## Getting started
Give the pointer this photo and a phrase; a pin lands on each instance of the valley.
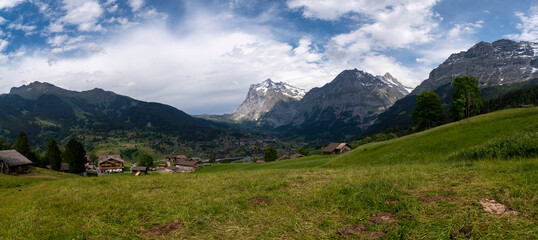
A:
(417, 182)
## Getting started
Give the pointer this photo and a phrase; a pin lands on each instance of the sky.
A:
(201, 56)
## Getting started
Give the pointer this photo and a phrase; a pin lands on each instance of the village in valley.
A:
(13, 162)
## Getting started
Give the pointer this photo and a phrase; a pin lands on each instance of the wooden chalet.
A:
(336, 148)
(284, 157)
(139, 170)
(188, 165)
(12, 162)
(260, 161)
(110, 164)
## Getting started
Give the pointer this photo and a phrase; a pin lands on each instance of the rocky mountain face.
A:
(498, 63)
(263, 96)
(44, 110)
(348, 104)
(501, 66)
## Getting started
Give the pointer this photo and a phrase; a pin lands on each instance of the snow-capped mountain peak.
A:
(263, 96)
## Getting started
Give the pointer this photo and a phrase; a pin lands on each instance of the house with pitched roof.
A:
(12, 162)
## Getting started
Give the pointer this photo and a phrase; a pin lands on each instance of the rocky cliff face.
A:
(498, 63)
(263, 96)
(353, 99)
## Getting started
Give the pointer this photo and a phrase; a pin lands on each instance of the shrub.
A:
(522, 144)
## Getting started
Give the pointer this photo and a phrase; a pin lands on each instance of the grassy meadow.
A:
(430, 184)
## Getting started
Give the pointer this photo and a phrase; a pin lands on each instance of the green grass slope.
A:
(422, 180)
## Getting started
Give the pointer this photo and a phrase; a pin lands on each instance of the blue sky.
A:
(201, 56)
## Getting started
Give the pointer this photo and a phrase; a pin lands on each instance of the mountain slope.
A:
(498, 63)
(44, 110)
(262, 97)
(499, 67)
(346, 105)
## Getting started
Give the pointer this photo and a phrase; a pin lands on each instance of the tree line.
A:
(74, 153)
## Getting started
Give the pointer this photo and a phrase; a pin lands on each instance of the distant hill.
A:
(44, 110)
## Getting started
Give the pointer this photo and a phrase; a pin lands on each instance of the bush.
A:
(523, 144)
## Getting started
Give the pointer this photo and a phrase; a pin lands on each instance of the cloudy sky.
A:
(201, 55)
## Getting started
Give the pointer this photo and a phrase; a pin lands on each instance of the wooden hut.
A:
(188, 165)
(139, 170)
(12, 162)
(110, 164)
(336, 148)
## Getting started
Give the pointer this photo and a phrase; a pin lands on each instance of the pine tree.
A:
(466, 100)
(75, 155)
(53, 155)
(429, 111)
(21, 145)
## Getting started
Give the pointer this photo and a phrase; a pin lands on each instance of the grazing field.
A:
(429, 185)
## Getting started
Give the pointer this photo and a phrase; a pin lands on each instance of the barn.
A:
(12, 162)
(336, 148)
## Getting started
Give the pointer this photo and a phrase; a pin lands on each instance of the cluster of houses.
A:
(12, 162)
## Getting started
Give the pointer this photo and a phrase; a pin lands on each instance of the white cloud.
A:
(3, 44)
(83, 13)
(2, 20)
(528, 25)
(28, 29)
(136, 4)
(9, 3)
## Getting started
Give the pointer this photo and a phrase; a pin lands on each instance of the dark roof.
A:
(64, 167)
(103, 158)
(189, 163)
(333, 146)
(13, 158)
(297, 155)
(139, 168)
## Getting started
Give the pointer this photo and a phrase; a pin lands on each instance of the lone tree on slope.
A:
(429, 112)
(466, 100)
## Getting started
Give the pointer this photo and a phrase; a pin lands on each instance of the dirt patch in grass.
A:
(163, 230)
(464, 231)
(494, 207)
(360, 230)
(432, 199)
(382, 217)
(257, 201)
(353, 230)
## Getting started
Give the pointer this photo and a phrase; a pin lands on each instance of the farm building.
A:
(12, 162)
(188, 165)
(110, 164)
(139, 170)
(260, 161)
(63, 168)
(296, 155)
(171, 169)
(176, 158)
(336, 148)
(284, 157)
